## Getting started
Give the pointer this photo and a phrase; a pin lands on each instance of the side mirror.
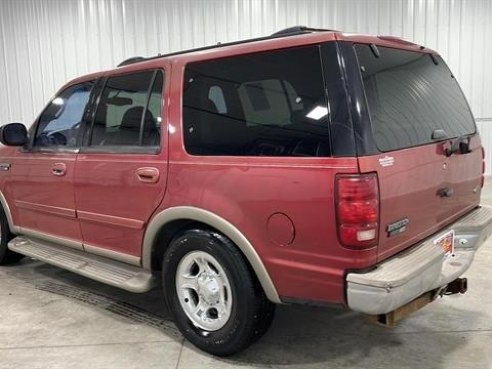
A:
(13, 134)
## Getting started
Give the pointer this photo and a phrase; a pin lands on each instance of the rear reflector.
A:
(357, 205)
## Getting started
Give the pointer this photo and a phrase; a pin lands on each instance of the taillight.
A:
(483, 167)
(357, 206)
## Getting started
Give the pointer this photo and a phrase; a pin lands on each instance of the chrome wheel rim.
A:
(204, 291)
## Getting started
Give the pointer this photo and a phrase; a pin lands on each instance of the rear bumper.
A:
(422, 268)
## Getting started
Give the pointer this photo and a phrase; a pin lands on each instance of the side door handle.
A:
(59, 169)
(5, 166)
(148, 174)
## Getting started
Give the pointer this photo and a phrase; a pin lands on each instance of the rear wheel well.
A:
(176, 227)
(163, 239)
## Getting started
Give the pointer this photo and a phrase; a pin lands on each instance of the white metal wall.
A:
(44, 43)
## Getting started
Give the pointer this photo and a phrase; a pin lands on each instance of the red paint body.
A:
(38, 199)
(114, 206)
(409, 188)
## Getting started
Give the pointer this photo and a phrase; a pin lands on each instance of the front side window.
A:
(129, 111)
(59, 124)
(265, 104)
(410, 96)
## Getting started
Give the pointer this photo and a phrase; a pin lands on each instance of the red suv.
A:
(310, 166)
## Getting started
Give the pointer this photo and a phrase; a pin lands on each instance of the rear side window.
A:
(59, 124)
(409, 97)
(129, 111)
(266, 104)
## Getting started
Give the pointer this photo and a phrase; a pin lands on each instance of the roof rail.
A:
(298, 30)
(132, 60)
(291, 31)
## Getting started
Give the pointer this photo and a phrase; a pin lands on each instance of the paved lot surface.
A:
(50, 318)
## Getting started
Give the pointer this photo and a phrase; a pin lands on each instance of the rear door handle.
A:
(59, 169)
(148, 174)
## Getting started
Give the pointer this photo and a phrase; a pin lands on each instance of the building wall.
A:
(45, 43)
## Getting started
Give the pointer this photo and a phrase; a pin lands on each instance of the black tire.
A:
(251, 311)
(6, 256)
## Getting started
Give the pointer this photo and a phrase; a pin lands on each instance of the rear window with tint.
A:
(265, 104)
(409, 97)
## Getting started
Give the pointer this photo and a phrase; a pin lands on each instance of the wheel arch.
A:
(176, 218)
(8, 214)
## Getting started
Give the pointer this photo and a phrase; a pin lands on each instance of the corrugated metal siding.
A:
(44, 43)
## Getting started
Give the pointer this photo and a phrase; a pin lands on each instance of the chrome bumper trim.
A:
(422, 268)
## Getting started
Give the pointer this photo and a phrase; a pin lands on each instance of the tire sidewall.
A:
(231, 333)
(5, 233)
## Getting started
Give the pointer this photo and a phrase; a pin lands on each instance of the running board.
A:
(114, 273)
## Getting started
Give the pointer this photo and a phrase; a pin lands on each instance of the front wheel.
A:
(216, 302)
(6, 256)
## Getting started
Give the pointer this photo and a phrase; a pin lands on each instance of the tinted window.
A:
(129, 111)
(60, 122)
(267, 104)
(409, 97)
(216, 95)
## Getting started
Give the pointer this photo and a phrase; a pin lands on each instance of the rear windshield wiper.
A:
(439, 134)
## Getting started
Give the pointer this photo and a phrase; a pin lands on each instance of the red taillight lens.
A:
(357, 204)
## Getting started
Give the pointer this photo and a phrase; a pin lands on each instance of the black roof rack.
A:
(298, 30)
(132, 60)
(291, 31)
